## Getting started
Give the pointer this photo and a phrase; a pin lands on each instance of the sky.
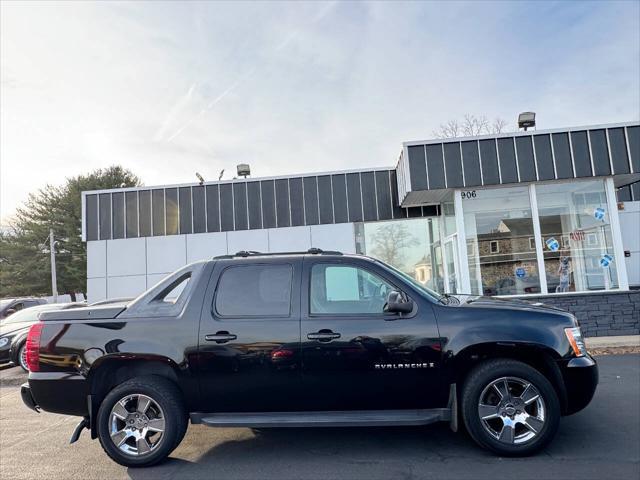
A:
(169, 89)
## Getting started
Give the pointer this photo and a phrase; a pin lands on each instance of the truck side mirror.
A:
(398, 302)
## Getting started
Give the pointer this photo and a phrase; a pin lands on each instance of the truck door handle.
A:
(323, 336)
(220, 337)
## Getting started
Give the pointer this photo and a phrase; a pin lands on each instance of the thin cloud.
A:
(175, 110)
(288, 39)
(212, 104)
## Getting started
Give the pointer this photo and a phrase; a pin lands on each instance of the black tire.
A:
(168, 397)
(182, 430)
(480, 378)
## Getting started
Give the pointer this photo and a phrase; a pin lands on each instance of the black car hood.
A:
(506, 303)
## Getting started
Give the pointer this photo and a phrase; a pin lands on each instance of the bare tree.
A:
(499, 125)
(390, 240)
(470, 126)
(451, 129)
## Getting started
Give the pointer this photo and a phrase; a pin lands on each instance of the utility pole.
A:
(54, 281)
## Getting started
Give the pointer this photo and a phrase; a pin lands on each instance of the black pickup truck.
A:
(306, 339)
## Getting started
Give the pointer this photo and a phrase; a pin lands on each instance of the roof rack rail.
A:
(253, 253)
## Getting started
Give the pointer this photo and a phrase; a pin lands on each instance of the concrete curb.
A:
(613, 341)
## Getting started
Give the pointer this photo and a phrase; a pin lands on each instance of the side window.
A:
(174, 290)
(254, 291)
(342, 289)
(18, 306)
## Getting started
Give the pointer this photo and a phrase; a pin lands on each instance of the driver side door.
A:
(354, 355)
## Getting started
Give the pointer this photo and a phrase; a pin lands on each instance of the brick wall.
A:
(601, 313)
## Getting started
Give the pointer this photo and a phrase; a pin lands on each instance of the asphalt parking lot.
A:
(602, 441)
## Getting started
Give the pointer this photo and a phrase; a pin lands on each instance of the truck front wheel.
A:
(509, 407)
(141, 421)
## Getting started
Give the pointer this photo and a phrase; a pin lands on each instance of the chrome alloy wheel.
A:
(22, 358)
(512, 410)
(136, 425)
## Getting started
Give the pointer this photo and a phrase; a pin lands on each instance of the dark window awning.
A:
(251, 204)
(429, 170)
(426, 173)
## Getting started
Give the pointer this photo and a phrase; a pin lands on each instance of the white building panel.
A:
(290, 239)
(97, 259)
(257, 240)
(339, 236)
(630, 228)
(204, 246)
(126, 286)
(96, 289)
(166, 254)
(155, 278)
(126, 257)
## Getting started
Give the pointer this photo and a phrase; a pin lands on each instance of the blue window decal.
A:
(606, 260)
(552, 244)
(599, 213)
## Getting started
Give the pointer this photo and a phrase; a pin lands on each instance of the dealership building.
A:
(550, 216)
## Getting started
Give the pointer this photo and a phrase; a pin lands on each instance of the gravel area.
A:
(613, 350)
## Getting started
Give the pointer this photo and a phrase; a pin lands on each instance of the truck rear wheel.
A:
(141, 421)
(510, 407)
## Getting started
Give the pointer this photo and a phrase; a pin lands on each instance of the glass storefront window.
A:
(576, 236)
(451, 270)
(501, 246)
(448, 217)
(412, 246)
(499, 228)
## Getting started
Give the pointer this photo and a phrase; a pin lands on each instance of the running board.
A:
(355, 418)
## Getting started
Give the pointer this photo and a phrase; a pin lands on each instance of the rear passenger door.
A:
(249, 340)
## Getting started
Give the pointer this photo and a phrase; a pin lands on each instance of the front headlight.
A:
(3, 342)
(574, 335)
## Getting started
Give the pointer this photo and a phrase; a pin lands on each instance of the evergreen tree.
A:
(25, 267)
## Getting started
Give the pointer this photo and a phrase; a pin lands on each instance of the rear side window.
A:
(174, 290)
(254, 291)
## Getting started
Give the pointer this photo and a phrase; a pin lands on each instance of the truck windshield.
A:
(432, 294)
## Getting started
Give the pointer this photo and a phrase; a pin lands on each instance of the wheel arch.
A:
(540, 357)
(111, 371)
(17, 342)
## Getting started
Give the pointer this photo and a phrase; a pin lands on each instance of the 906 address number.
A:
(468, 194)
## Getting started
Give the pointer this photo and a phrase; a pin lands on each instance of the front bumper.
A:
(27, 398)
(5, 354)
(580, 376)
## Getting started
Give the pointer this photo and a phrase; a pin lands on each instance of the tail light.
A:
(33, 347)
